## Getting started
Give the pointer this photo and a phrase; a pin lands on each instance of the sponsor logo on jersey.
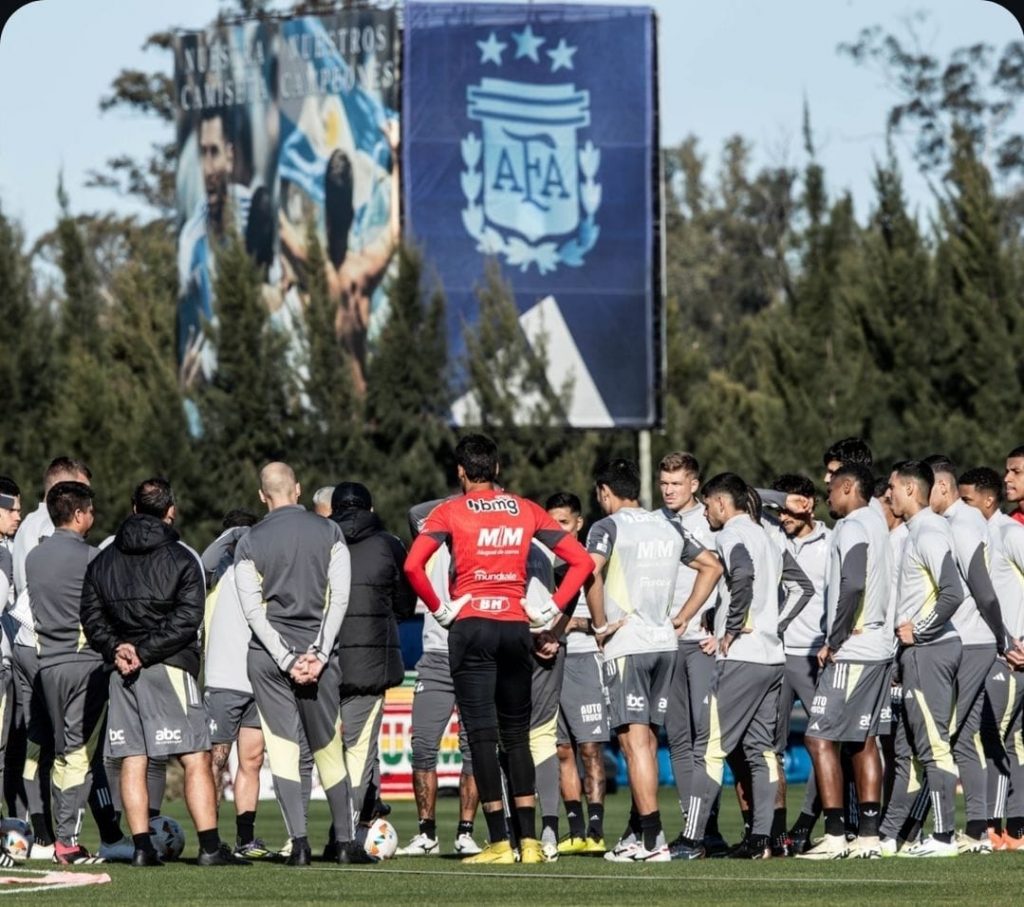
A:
(482, 576)
(654, 550)
(116, 737)
(635, 703)
(662, 704)
(491, 605)
(500, 504)
(500, 537)
(168, 735)
(865, 722)
(590, 712)
(818, 705)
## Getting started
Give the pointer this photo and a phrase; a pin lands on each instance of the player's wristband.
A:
(597, 631)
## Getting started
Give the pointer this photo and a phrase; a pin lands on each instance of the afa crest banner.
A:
(530, 139)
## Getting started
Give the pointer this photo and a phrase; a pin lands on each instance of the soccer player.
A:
(801, 626)
(979, 624)
(742, 708)
(73, 678)
(32, 720)
(433, 700)
(636, 555)
(679, 480)
(848, 450)
(369, 649)
(489, 533)
(1013, 481)
(982, 488)
(582, 716)
(929, 592)
(856, 658)
(10, 519)
(227, 692)
(292, 576)
(142, 608)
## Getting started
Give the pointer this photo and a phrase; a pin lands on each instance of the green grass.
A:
(572, 880)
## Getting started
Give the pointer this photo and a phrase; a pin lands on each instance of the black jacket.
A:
(148, 590)
(371, 657)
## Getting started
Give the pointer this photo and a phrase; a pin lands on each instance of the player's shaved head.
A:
(278, 485)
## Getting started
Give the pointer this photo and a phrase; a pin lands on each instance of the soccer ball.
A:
(16, 838)
(381, 840)
(167, 836)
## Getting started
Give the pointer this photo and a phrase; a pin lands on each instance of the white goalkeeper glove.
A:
(539, 606)
(447, 612)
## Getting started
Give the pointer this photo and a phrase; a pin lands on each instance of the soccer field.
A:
(572, 880)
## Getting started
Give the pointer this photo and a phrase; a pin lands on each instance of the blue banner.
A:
(529, 138)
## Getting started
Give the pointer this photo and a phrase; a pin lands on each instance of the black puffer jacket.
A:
(148, 590)
(371, 658)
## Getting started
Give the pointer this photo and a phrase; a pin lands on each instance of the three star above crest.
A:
(527, 45)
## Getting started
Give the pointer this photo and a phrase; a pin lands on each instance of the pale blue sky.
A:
(728, 66)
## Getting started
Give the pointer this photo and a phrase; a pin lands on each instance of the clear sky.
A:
(728, 66)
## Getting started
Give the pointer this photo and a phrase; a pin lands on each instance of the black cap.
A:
(351, 496)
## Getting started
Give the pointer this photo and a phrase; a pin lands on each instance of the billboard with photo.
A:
(530, 140)
(286, 125)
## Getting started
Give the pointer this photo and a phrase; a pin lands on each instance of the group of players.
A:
(899, 631)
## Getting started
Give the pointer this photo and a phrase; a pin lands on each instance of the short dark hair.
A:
(731, 485)
(863, 479)
(64, 498)
(351, 496)
(984, 479)
(239, 517)
(918, 470)
(680, 460)
(564, 499)
(65, 466)
(621, 477)
(941, 463)
(478, 457)
(9, 487)
(226, 121)
(849, 450)
(881, 487)
(1016, 452)
(153, 497)
(791, 483)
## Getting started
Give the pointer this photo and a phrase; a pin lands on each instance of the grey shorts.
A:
(157, 713)
(799, 681)
(638, 688)
(582, 712)
(432, 703)
(228, 711)
(546, 689)
(849, 701)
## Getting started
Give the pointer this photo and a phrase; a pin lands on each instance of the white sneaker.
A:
(119, 852)
(465, 846)
(41, 852)
(888, 847)
(930, 847)
(830, 847)
(865, 849)
(623, 852)
(658, 855)
(549, 850)
(420, 846)
(966, 844)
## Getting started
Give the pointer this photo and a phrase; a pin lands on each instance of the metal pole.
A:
(646, 467)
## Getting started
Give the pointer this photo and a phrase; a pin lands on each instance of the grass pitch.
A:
(579, 880)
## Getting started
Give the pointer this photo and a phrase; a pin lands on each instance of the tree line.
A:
(789, 323)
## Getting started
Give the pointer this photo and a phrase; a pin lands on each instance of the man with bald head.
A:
(292, 575)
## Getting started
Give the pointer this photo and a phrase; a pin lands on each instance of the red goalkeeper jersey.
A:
(489, 534)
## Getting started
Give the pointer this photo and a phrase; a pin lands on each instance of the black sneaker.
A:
(782, 846)
(146, 858)
(222, 856)
(381, 810)
(301, 855)
(350, 852)
(715, 847)
(751, 848)
(331, 851)
(683, 849)
(799, 841)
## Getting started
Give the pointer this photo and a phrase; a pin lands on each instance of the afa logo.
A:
(530, 187)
